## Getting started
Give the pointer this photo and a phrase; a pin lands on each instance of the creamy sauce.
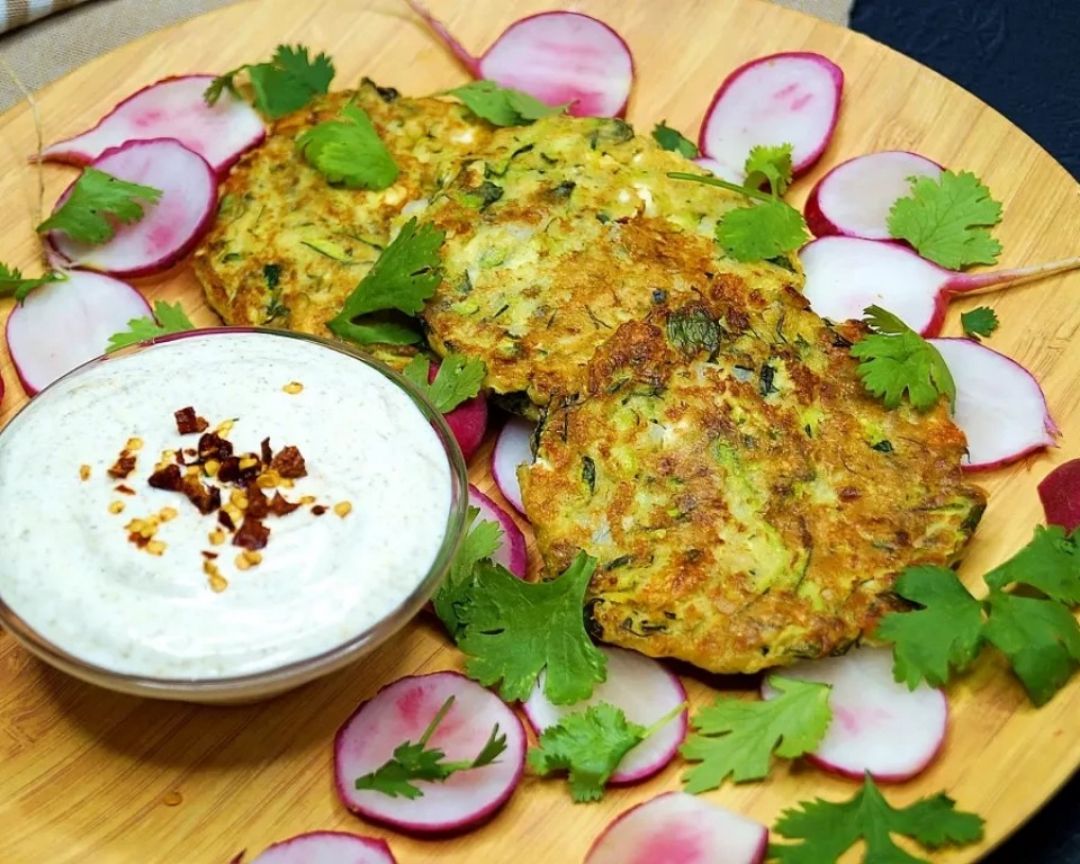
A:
(72, 575)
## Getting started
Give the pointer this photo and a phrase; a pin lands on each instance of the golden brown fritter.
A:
(749, 503)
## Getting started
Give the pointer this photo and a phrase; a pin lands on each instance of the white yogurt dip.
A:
(71, 573)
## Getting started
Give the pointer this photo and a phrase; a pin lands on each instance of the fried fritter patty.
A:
(287, 248)
(749, 503)
(560, 231)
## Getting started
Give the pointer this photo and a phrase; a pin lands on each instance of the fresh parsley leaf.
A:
(285, 84)
(503, 106)
(458, 379)
(828, 829)
(946, 220)
(673, 139)
(981, 321)
(896, 359)
(944, 635)
(348, 151)
(1050, 563)
(14, 284)
(482, 539)
(762, 231)
(171, 318)
(94, 202)
(414, 761)
(515, 629)
(737, 738)
(1040, 637)
(772, 165)
(403, 277)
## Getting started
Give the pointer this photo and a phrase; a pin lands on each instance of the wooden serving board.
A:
(89, 776)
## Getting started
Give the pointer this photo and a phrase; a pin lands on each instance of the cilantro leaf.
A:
(503, 106)
(14, 284)
(762, 231)
(946, 220)
(515, 629)
(458, 379)
(403, 277)
(170, 318)
(285, 84)
(737, 738)
(828, 829)
(770, 165)
(673, 139)
(1050, 562)
(981, 321)
(95, 197)
(348, 151)
(414, 761)
(896, 359)
(1040, 637)
(482, 539)
(945, 634)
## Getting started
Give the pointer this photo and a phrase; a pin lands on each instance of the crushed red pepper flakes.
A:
(209, 556)
(318, 509)
(258, 505)
(188, 422)
(206, 499)
(124, 465)
(226, 520)
(252, 535)
(289, 463)
(266, 452)
(213, 446)
(167, 478)
(124, 489)
(279, 506)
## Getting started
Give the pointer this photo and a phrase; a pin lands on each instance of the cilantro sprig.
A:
(771, 166)
(482, 539)
(459, 378)
(14, 284)
(168, 318)
(284, 84)
(673, 139)
(503, 106)
(826, 830)
(981, 321)
(348, 151)
(415, 761)
(96, 202)
(737, 738)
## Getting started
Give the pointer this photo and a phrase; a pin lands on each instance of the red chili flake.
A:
(191, 452)
(213, 446)
(267, 453)
(124, 465)
(226, 520)
(253, 469)
(125, 490)
(252, 534)
(289, 463)
(279, 506)
(209, 556)
(137, 538)
(229, 472)
(206, 499)
(166, 478)
(318, 509)
(180, 458)
(258, 503)
(188, 423)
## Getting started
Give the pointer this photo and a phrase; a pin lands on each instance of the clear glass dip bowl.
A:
(263, 684)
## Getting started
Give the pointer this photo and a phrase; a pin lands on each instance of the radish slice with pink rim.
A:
(170, 108)
(468, 421)
(326, 847)
(401, 712)
(512, 553)
(645, 691)
(1059, 492)
(855, 197)
(879, 726)
(679, 828)
(513, 448)
(844, 275)
(791, 98)
(999, 405)
(62, 325)
(558, 57)
(169, 229)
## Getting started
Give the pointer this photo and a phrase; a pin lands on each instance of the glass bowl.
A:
(263, 684)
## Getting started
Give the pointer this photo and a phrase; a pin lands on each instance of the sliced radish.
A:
(401, 712)
(791, 98)
(558, 57)
(327, 847)
(999, 405)
(512, 554)
(855, 197)
(169, 229)
(63, 324)
(468, 421)
(645, 691)
(844, 275)
(879, 725)
(171, 108)
(513, 448)
(678, 828)
(1059, 492)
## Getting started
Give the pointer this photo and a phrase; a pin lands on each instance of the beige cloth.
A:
(80, 31)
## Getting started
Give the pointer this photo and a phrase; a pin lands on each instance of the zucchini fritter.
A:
(749, 503)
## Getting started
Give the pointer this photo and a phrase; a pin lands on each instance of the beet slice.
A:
(512, 553)
(326, 847)
(1059, 492)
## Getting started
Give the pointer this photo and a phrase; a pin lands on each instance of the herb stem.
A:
(663, 721)
(436, 720)
(723, 184)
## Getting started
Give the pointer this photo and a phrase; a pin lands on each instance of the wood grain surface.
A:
(89, 776)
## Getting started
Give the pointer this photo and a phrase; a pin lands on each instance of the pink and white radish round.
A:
(645, 690)
(170, 108)
(64, 324)
(879, 726)
(512, 553)
(557, 57)
(1059, 493)
(513, 448)
(1000, 407)
(168, 230)
(402, 711)
(782, 98)
(326, 847)
(679, 828)
(468, 421)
